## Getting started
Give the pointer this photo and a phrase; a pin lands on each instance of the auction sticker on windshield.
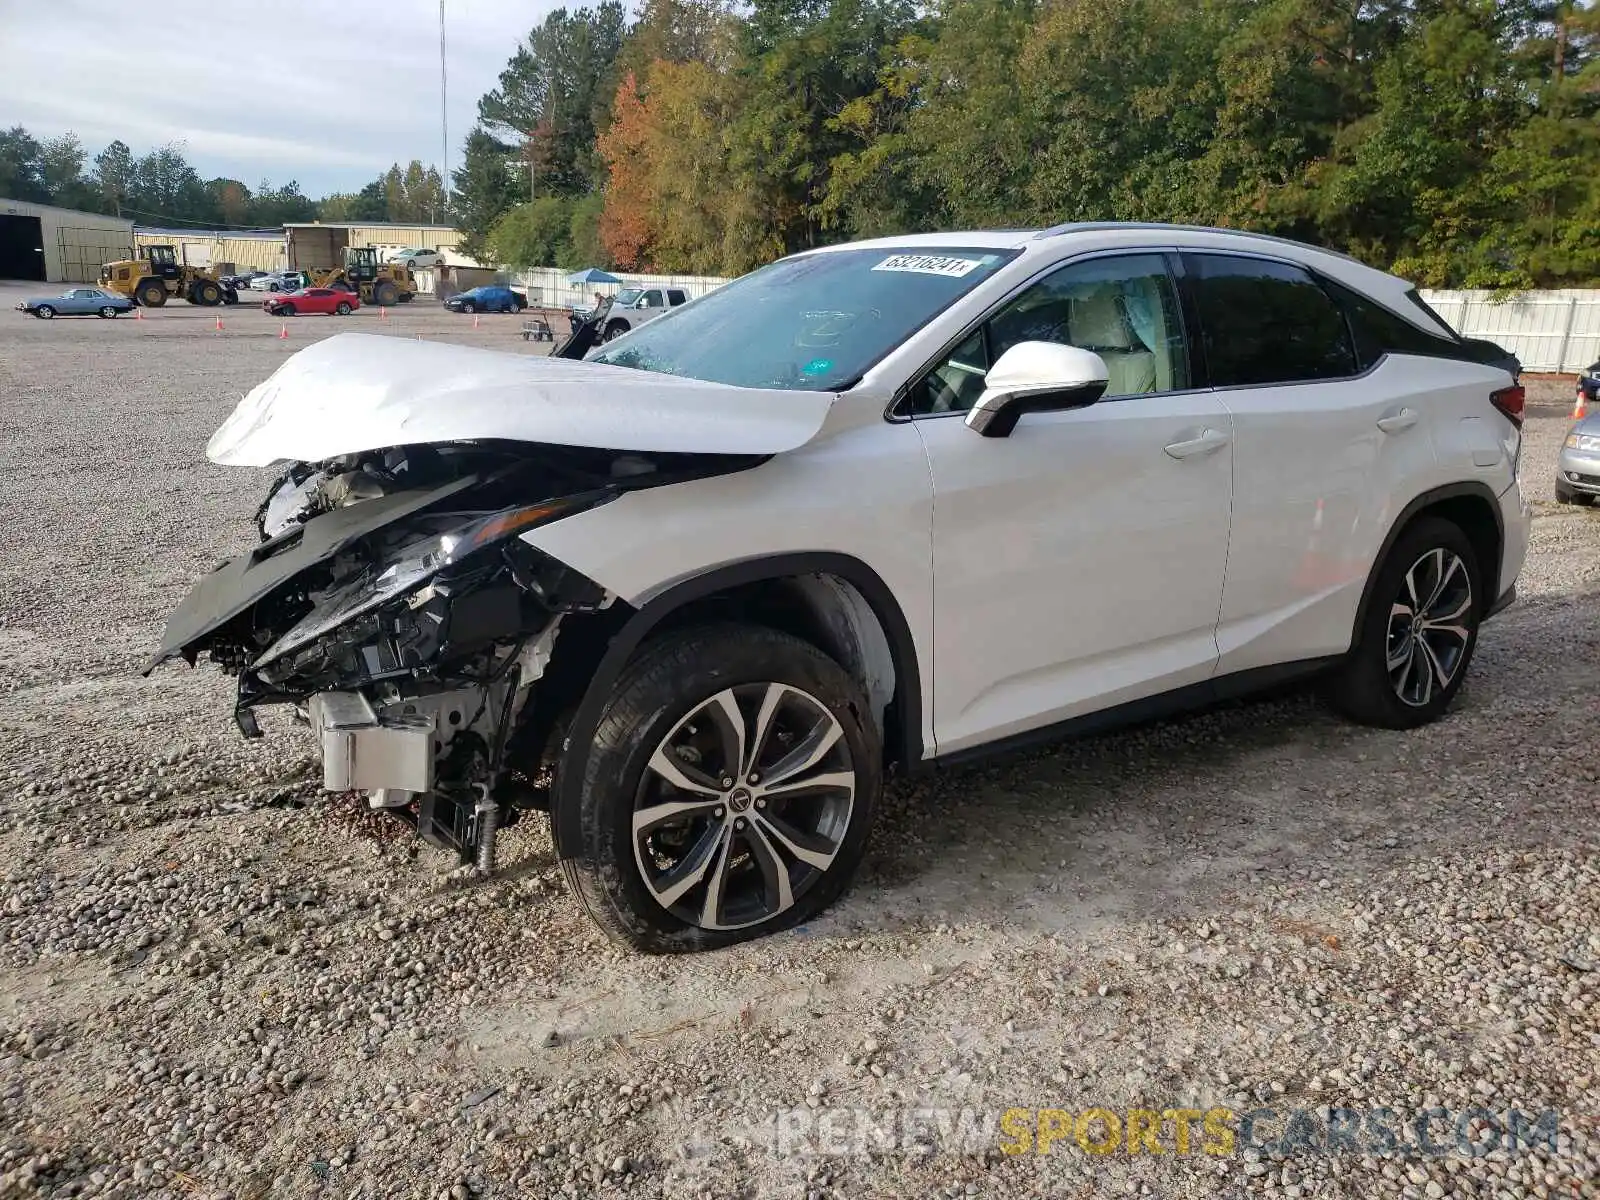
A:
(929, 264)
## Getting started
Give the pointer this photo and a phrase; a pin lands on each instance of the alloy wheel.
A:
(743, 806)
(1429, 627)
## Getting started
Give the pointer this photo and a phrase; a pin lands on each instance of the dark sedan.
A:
(487, 299)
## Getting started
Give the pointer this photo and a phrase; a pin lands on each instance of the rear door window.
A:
(676, 297)
(1264, 321)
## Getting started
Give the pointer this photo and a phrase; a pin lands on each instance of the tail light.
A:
(1510, 401)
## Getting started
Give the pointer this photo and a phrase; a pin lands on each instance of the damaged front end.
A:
(392, 602)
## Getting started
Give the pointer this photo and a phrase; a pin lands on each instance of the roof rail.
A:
(1095, 226)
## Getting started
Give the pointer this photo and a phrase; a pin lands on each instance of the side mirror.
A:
(1036, 377)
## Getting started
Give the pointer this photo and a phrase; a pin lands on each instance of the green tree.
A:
(113, 176)
(414, 194)
(583, 232)
(804, 63)
(22, 167)
(230, 199)
(61, 165)
(281, 205)
(163, 186)
(537, 234)
(549, 92)
(487, 183)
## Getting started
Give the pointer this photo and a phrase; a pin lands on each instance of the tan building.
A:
(58, 245)
(315, 246)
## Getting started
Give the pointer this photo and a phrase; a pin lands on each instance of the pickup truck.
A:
(633, 307)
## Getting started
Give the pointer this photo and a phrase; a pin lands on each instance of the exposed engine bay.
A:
(434, 654)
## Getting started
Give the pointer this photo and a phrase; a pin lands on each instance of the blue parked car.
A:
(487, 299)
(78, 302)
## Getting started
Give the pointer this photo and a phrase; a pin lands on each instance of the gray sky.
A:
(329, 93)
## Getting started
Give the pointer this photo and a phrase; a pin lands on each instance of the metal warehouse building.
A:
(314, 246)
(58, 245)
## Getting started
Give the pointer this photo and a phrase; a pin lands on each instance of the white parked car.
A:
(891, 503)
(279, 281)
(417, 258)
(633, 307)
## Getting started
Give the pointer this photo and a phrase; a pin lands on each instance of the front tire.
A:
(44, 312)
(1416, 641)
(728, 792)
(613, 331)
(284, 310)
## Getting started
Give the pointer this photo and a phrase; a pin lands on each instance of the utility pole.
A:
(444, 114)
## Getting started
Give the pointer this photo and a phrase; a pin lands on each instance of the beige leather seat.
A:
(1097, 323)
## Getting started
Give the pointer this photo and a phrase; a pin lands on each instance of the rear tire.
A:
(1403, 672)
(720, 705)
(107, 312)
(342, 309)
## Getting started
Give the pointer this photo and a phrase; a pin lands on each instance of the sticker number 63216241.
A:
(929, 264)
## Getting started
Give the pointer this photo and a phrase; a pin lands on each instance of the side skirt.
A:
(1150, 708)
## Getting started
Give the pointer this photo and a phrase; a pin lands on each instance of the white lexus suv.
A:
(877, 505)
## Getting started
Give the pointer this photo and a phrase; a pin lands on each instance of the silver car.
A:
(1578, 469)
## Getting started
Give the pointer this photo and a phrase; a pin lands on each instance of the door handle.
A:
(1209, 441)
(1404, 419)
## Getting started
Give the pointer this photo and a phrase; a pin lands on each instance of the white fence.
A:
(547, 287)
(1548, 331)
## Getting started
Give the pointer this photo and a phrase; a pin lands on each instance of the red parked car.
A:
(332, 301)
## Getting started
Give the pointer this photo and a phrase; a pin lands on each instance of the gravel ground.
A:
(215, 983)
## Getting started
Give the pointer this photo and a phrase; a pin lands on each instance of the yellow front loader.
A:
(376, 283)
(156, 275)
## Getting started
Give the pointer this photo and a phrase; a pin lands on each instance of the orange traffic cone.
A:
(283, 331)
(1581, 409)
(219, 324)
(474, 320)
(138, 313)
(383, 313)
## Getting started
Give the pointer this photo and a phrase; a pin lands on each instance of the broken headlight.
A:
(413, 565)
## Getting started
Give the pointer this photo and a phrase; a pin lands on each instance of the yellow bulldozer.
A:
(361, 272)
(156, 275)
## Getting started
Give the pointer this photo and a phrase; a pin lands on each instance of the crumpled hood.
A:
(357, 391)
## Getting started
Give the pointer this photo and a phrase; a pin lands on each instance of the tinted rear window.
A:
(1378, 331)
(1267, 322)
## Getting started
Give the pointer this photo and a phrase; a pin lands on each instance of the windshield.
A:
(627, 296)
(809, 323)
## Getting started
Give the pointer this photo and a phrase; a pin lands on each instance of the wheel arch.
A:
(834, 601)
(1474, 509)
